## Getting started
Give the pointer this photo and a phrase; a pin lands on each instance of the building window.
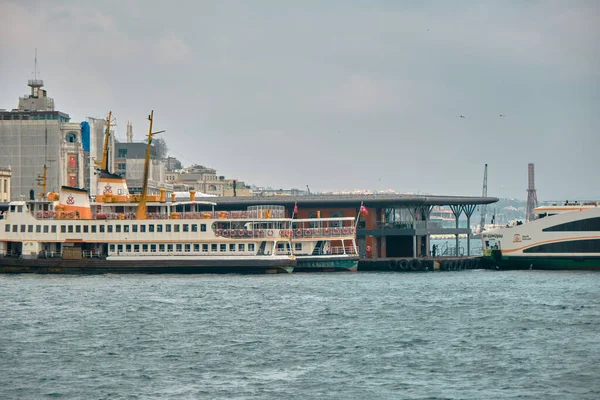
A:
(122, 153)
(71, 137)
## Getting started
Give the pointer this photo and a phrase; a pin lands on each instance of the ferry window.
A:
(176, 228)
(86, 229)
(63, 229)
(204, 247)
(179, 246)
(118, 228)
(202, 227)
(78, 228)
(572, 246)
(297, 246)
(134, 228)
(152, 248)
(145, 248)
(30, 228)
(93, 228)
(196, 247)
(126, 228)
(110, 228)
(112, 248)
(70, 228)
(336, 224)
(7, 228)
(159, 228)
(223, 247)
(169, 247)
(161, 247)
(582, 225)
(250, 246)
(120, 248)
(188, 247)
(142, 228)
(19, 208)
(53, 228)
(231, 246)
(136, 248)
(151, 228)
(213, 247)
(128, 248)
(102, 228)
(38, 229)
(15, 228)
(186, 228)
(23, 228)
(168, 228)
(241, 247)
(194, 227)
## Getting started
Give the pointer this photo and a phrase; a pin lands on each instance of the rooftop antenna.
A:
(307, 188)
(35, 84)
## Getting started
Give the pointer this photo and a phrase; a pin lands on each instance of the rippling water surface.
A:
(471, 334)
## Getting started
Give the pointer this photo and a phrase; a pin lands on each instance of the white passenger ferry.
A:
(562, 236)
(67, 236)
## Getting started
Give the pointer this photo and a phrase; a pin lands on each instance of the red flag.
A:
(295, 208)
(363, 210)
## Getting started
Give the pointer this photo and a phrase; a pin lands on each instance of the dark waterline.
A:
(470, 334)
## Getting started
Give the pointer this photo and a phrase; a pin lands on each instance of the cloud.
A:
(172, 49)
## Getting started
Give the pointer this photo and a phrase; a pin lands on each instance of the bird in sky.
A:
(502, 115)
(462, 116)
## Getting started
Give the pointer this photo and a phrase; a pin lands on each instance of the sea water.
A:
(456, 335)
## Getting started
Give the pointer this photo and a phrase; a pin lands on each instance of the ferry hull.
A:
(102, 266)
(544, 263)
(320, 264)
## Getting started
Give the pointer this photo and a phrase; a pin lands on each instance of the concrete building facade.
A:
(5, 175)
(35, 135)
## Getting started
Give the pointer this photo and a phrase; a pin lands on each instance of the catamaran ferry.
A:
(562, 236)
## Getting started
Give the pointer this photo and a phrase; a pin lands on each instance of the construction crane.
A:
(483, 207)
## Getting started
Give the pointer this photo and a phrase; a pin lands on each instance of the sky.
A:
(336, 95)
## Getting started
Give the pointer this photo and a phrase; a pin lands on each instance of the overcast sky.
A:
(333, 94)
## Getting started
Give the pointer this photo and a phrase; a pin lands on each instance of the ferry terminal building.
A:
(397, 225)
